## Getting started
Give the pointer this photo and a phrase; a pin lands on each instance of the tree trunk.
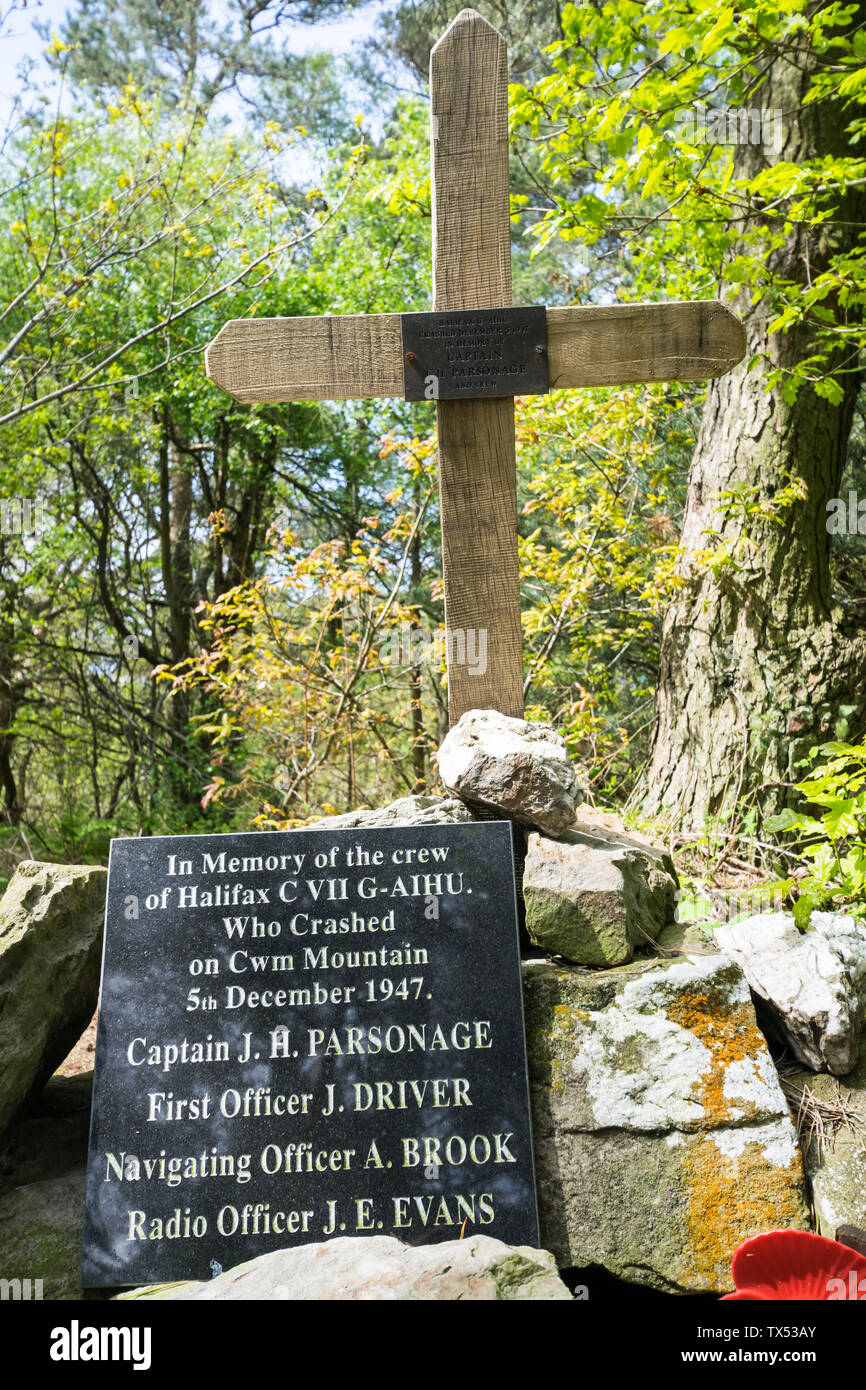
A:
(180, 515)
(416, 689)
(757, 659)
(176, 516)
(12, 694)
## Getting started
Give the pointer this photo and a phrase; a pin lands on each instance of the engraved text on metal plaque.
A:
(470, 353)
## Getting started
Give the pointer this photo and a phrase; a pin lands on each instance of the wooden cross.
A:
(340, 358)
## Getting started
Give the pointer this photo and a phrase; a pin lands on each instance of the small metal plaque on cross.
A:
(472, 353)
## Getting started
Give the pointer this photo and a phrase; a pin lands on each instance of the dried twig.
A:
(819, 1121)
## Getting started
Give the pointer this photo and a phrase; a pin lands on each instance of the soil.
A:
(80, 1058)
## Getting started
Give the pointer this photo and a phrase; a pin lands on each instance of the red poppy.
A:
(797, 1264)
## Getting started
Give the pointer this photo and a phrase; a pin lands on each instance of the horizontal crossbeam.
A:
(360, 356)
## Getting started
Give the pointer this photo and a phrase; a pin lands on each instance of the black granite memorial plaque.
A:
(304, 1035)
(467, 353)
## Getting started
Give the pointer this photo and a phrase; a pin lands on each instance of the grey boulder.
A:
(593, 895)
(40, 1235)
(813, 982)
(520, 769)
(51, 923)
(50, 1138)
(662, 1137)
(408, 810)
(381, 1268)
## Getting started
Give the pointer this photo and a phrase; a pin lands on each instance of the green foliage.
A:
(641, 166)
(729, 547)
(834, 839)
(261, 557)
(190, 53)
(131, 235)
(601, 485)
(307, 706)
(118, 227)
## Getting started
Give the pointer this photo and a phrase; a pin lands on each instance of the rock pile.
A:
(663, 1135)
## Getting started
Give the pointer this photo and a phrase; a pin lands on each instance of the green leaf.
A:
(654, 180)
(829, 389)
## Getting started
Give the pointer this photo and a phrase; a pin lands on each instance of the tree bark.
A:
(175, 522)
(416, 689)
(13, 691)
(758, 659)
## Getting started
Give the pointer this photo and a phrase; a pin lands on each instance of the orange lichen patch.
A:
(730, 1034)
(729, 1200)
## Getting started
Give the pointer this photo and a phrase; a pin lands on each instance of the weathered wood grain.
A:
(472, 270)
(308, 359)
(330, 359)
(619, 344)
(469, 159)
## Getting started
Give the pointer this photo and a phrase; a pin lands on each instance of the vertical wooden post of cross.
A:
(472, 270)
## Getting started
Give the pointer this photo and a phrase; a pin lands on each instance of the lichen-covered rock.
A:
(813, 982)
(519, 769)
(380, 1267)
(835, 1144)
(662, 1137)
(51, 922)
(409, 810)
(40, 1234)
(593, 896)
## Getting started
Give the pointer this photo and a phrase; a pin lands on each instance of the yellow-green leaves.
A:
(646, 127)
(724, 27)
(677, 40)
(834, 843)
